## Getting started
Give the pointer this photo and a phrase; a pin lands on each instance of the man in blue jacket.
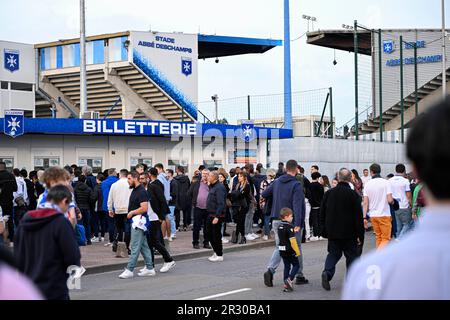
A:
(287, 192)
(106, 187)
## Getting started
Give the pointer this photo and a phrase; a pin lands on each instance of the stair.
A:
(373, 124)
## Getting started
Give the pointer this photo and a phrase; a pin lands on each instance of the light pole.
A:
(83, 90)
(215, 98)
(287, 69)
(310, 18)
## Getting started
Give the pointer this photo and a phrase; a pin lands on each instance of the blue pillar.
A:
(287, 69)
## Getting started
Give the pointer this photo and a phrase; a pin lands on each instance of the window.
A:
(95, 163)
(21, 86)
(9, 161)
(4, 85)
(174, 164)
(42, 163)
(134, 161)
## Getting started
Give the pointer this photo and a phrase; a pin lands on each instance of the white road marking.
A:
(224, 294)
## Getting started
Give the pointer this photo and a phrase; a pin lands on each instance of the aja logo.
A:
(13, 123)
(11, 59)
(388, 46)
(248, 131)
(186, 66)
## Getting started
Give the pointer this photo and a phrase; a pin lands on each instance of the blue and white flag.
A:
(248, 132)
(13, 123)
(11, 59)
(388, 46)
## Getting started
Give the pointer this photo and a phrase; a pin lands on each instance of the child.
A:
(288, 248)
(45, 245)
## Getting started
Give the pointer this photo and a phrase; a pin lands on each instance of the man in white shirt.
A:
(418, 266)
(118, 199)
(366, 177)
(401, 191)
(377, 197)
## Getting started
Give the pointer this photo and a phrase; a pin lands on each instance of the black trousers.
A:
(336, 248)
(155, 241)
(177, 217)
(214, 232)
(122, 227)
(239, 214)
(187, 213)
(314, 220)
(200, 219)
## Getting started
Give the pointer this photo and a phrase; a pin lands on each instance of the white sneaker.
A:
(225, 240)
(216, 259)
(314, 239)
(170, 239)
(265, 238)
(108, 244)
(255, 225)
(321, 238)
(249, 237)
(174, 236)
(146, 272)
(256, 236)
(127, 274)
(95, 239)
(102, 239)
(308, 240)
(213, 257)
(167, 266)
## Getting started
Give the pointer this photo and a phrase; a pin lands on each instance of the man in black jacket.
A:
(84, 196)
(316, 196)
(8, 185)
(342, 223)
(158, 212)
(45, 245)
(183, 202)
(215, 205)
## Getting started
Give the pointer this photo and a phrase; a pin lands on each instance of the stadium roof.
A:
(343, 39)
(209, 46)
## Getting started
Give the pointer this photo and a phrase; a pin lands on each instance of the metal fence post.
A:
(415, 81)
(355, 44)
(380, 84)
(401, 91)
(331, 113)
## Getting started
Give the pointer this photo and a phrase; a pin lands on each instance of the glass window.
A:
(4, 85)
(21, 86)
(95, 163)
(174, 164)
(134, 161)
(42, 163)
(9, 161)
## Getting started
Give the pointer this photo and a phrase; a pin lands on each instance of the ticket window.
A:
(212, 163)
(42, 163)
(95, 163)
(174, 164)
(134, 161)
(9, 161)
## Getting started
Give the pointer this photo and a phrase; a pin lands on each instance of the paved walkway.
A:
(98, 258)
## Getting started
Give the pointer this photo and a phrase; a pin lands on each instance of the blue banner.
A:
(140, 128)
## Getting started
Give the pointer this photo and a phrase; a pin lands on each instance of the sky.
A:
(32, 21)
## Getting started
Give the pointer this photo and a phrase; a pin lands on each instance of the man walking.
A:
(401, 191)
(118, 200)
(285, 192)
(137, 212)
(342, 223)
(215, 205)
(157, 212)
(199, 194)
(377, 197)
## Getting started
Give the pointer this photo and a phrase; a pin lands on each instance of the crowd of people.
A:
(46, 214)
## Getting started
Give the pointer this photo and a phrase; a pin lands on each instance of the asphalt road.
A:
(239, 276)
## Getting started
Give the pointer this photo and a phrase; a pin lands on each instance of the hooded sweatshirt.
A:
(44, 247)
(183, 200)
(286, 191)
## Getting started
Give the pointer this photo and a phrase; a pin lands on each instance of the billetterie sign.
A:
(139, 127)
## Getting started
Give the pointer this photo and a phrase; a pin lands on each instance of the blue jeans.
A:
(173, 226)
(266, 225)
(291, 267)
(404, 221)
(86, 220)
(275, 260)
(138, 244)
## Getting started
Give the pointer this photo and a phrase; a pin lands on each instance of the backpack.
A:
(80, 234)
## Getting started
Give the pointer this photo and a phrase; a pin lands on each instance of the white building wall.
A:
(332, 154)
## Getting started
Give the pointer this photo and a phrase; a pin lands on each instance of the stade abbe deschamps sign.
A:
(143, 128)
(389, 47)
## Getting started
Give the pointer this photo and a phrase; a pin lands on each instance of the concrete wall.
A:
(117, 151)
(332, 154)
